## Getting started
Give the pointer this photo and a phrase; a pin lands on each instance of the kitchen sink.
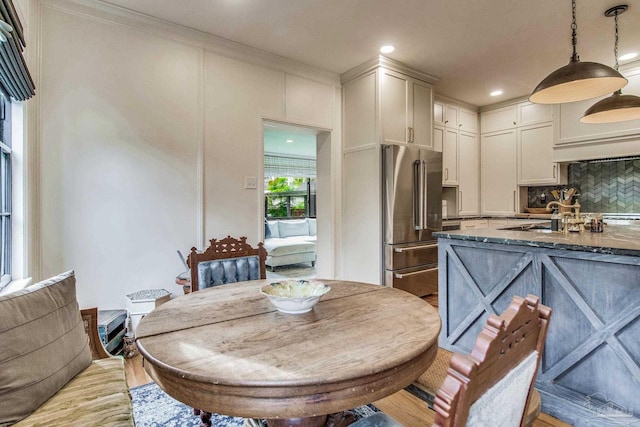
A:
(536, 228)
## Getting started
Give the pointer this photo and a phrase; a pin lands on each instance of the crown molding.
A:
(108, 13)
(390, 64)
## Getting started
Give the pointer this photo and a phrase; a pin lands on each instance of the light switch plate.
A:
(250, 182)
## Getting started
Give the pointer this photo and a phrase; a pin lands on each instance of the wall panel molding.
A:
(105, 12)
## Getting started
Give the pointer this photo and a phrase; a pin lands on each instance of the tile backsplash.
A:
(608, 186)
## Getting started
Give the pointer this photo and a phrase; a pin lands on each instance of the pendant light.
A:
(577, 80)
(617, 107)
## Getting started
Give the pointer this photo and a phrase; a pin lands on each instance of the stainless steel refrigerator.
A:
(412, 204)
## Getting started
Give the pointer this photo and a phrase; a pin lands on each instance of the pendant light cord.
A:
(574, 29)
(615, 48)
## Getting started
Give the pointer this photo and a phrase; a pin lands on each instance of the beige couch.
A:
(52, 374)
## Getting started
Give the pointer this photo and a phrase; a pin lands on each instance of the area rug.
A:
(152, 407)
(298, 271)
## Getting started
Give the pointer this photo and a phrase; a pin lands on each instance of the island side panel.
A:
(590, 374)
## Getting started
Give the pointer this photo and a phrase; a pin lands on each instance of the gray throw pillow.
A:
(43, 345)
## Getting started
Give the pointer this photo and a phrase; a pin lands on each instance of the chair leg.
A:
(205, 417)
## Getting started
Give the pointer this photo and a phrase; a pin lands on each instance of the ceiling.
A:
(290, 141)
(472, 46)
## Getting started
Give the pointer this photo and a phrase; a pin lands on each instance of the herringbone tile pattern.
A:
(612, 187)
(608, 187)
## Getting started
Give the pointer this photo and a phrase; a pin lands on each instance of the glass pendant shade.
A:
(613, 109)
(577, 81)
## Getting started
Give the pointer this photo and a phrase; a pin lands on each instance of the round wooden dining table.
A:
(228, 350)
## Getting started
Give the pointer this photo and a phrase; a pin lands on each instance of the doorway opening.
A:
(290, 200)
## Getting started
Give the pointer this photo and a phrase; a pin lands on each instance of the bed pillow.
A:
(43, 345)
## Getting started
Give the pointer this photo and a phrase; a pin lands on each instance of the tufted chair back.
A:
(228, 260)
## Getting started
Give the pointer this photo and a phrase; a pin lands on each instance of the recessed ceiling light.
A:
(496, 93)
(289, 140)
(628, 56)
(387, 49)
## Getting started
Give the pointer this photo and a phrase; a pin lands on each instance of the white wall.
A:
(145, 132)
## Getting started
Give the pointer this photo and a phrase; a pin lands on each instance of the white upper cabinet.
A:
(498, 119)
(438, 113)
(531, 114)
(406, 110)
(535, 155)
(575, 140)
(422, 115)
(468, 121)
(460, 153)
(533, 125)
(451, 116)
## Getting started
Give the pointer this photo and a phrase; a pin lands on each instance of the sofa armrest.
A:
(90, 318)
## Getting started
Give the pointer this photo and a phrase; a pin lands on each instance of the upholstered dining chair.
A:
(493, 385)
(227, 260)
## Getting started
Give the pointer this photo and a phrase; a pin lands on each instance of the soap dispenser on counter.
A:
(556, 220)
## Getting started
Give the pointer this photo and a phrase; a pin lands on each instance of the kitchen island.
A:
(590, 373)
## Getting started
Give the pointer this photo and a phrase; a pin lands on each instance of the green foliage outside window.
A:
(277, 206)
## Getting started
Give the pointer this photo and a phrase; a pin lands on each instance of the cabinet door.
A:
(468, 174)
(451, 116)
(450, 158)
(438, 138)
(569, 128)
(468, 121)
(530, 113)
(498, 173)
(394, 108)
(535, 155)
(498, 119)
(438, 113)
(422, 103)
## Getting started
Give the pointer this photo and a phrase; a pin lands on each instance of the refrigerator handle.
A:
(419, 194)
(416, 195)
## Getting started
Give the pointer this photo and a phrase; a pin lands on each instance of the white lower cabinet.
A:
(498, 173)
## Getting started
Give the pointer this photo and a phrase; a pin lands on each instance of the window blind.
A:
(15, 79)
(295, 167)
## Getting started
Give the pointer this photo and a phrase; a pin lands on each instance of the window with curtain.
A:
(15, 79)
(16, 84)
(290, 186)
(5, 191)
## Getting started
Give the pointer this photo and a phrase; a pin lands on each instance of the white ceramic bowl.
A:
(295, 296)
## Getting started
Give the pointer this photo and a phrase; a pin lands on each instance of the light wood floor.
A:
(403, 406)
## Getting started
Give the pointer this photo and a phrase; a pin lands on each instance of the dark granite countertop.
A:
(615, 240)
